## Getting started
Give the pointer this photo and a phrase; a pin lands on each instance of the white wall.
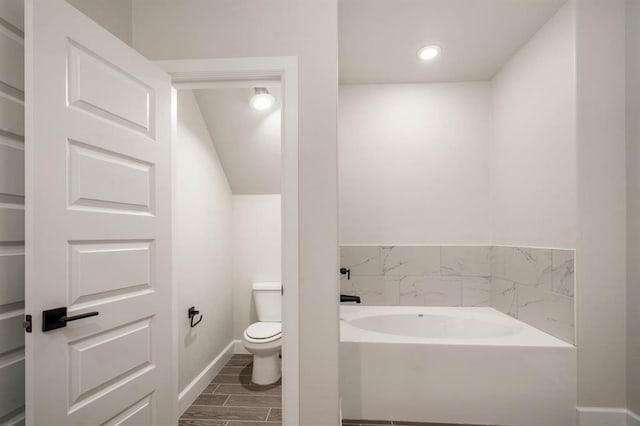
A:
(601, 215)
(256, 251)
(533, 146)
(175, 29)
(466, 163)
(633, 205)
(113, 15)
(202, 209)
(414, 163)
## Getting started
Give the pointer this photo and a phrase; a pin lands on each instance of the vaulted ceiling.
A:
(247, 141)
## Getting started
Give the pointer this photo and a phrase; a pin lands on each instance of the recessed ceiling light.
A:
(262, 99)
(429, 53)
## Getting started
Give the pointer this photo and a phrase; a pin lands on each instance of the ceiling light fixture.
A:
(429, 53)
(262, 99)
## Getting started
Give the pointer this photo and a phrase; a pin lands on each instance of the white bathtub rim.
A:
(528, 336)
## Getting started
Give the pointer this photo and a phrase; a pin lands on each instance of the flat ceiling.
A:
(379, 39)
(247, 141)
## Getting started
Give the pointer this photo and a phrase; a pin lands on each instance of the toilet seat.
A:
(263, 332)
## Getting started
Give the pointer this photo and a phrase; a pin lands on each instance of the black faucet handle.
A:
(345, 271)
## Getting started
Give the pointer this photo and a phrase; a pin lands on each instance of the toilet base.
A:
(266, 369)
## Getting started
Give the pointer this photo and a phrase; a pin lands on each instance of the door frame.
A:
(233, 72)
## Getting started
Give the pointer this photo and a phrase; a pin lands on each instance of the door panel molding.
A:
(104, 89)
(105, 180)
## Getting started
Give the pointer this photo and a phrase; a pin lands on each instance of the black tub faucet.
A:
(349, 298)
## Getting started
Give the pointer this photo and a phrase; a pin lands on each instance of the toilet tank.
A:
(268, 300)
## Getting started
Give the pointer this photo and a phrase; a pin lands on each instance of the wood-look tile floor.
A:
(232, 400)
(394, 422)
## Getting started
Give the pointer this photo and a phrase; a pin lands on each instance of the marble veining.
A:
(535, 285)
(430, 291)
(529, 266)
(504, 296)
(410, 260)
(466, 261)
(547, 311)
(373, 290)
(562, 272)
(362, 260)
(476, 291)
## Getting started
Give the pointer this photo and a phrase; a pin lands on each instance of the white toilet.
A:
(263, 339)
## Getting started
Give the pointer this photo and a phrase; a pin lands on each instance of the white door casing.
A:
(11, 212)
(98, 225)
(282, 70)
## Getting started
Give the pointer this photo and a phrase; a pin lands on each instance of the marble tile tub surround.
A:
(418, 275)
(535, 285)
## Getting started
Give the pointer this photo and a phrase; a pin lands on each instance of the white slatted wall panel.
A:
(11, 212)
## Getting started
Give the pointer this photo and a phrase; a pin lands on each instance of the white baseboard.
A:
(239, 347)
(601, 416)
(197, 385)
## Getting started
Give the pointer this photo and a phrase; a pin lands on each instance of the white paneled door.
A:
(98, 208)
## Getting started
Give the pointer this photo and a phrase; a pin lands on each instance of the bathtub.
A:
(453, 365)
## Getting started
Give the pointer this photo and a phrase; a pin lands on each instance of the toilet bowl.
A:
(263, 338)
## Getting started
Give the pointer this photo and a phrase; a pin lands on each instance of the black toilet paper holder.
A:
(192, 315)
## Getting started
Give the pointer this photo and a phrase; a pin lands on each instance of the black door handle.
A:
(53, 319)
(77, 317)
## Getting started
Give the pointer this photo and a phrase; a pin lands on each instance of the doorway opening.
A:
(251, 153)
